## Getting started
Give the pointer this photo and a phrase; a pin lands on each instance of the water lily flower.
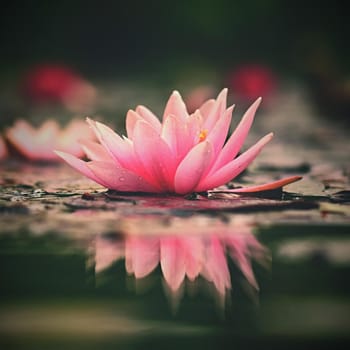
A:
(39, 144)
(58, 84)
(3, 148)
(181, 154)
(249, 81)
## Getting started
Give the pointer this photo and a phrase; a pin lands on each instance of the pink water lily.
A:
(181, 154)
(38, 144)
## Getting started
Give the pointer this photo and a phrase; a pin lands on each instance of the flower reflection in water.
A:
(185, 249)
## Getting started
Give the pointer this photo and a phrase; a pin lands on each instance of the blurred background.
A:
(65, 59)
(138, 51)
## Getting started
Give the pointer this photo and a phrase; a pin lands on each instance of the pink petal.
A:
(194, 255)
(233, 168)
(206, 107)
(235, 142)
(121, 150)
(149, 117)
(172, 262)
(191, 169)
(107, 252)
(48, 131)
(217, 110)
(245, 266)
(77, 126)
(67, 140)
(141, 255)
(244, 247)
(22, 139)
(80, 166)
(155, 155)
(98, 135)
(217, 136)
(95, 151)
(194, 127)
(131, 118)
(178, 136)
(266, 187)
(216, 269)
(172, 131)
(34, 144)
(176, 106)
(119, 179)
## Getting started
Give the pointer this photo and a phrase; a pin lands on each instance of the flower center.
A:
(203, 135)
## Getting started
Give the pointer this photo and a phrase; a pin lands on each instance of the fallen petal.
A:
(266, 187)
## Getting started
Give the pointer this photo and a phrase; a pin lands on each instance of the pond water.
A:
(104, 270)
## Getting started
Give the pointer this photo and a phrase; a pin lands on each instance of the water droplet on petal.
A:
(122, 178)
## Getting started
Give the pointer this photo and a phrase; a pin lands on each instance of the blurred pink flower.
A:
(3, 148)
(250, 81)
(196, 97)
(39, 144)
(56, 83)
(184, 153)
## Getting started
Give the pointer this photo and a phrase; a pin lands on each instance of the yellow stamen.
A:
(203, 135)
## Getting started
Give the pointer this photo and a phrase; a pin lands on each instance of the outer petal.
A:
(235, 142)
(191, 169)
(131, 118)
(149, 117)
(233, 168)
(80, 166)
(119, 179)
(119, 148)
(95, 151)
(176, 106)
(155, 155)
